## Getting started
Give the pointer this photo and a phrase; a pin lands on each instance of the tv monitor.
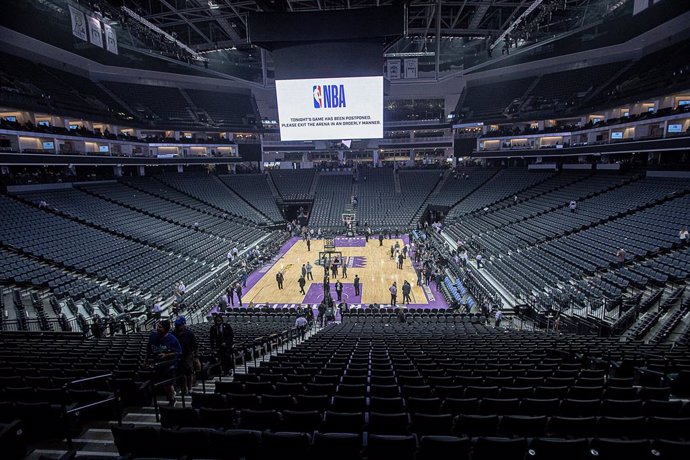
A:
(675, 128)
(73, 126)
(103, 148)
(10, 118)
(330, 108)
(43, 123)
(47, 145)
(617, 135)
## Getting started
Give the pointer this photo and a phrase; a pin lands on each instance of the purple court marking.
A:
(356, 262)
(315, 293)
(346, 242)
(259, 273)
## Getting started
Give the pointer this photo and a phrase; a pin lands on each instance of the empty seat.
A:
(432, 424)
(533, 406)
(217, 418)
(621, 427)
(475, 425)
(234, 444)
(342, 422)
(276, 445)
(259, 420)
(337, 446)
(558, 448)
(571, 427)
(522, 425)
(389, 405)
(388, 423)
(384, 447)
(491, 448)
(605, 449)
(664, 449)
(136, 441)
(444, 448)
(301, 421)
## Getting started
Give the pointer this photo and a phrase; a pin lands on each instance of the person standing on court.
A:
(356, 284)
(406, 288)
(344, 268)
(307, 273)
(401, 258)
(308, 244)
(380, 239)
(301, 283)
(279, 279)
(394, 292)
(339, 290)
(304, 270)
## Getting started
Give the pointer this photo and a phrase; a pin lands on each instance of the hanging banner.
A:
(78, 23)
(95, 35)
(411, 68)
(110, 39)
(393, 69)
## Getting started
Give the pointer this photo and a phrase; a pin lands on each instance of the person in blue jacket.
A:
(164, 352)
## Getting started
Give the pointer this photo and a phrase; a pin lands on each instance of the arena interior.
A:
(345, 229)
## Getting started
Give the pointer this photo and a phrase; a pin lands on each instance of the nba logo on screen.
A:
(328, 96)
(318, 97)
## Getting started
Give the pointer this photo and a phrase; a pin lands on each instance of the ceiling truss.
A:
(211, 24)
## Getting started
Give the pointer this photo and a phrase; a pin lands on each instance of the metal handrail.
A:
(161, 383)
(66, 412)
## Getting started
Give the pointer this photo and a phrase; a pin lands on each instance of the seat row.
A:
(286, 387)
(404, 423)
(198, 443)
(446, 404)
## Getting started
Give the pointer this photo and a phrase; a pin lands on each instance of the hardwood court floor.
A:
(379, 271)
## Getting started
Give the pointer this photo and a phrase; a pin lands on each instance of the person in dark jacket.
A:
(222, 337)
(322, 314)
(190, 347)
(406, 289)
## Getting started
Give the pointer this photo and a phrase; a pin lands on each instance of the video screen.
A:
(675, 128)
(49, 146)
(103, 148)
(616, 135)
(330, 108)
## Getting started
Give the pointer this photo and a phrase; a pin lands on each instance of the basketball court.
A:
(371, 261)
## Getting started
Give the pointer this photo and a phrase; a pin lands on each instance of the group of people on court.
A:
(338, 265)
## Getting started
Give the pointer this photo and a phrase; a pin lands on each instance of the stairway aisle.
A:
(97, 440)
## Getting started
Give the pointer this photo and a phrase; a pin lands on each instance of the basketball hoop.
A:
(348, 219)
